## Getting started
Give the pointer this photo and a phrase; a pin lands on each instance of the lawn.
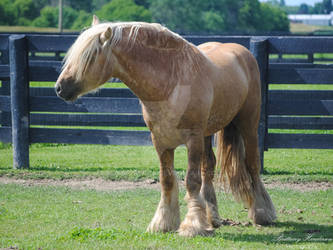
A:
(60, 161)
(61, 218)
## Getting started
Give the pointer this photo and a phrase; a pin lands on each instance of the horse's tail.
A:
(235, 174)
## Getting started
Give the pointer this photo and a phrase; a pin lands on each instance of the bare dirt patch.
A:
(105, 185)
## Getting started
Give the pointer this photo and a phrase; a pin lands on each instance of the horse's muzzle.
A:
(68, 93)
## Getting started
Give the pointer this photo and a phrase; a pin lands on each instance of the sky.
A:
(298, 2)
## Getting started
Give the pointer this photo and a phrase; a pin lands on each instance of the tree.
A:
(25, 11)
(318, 8)
(273, 18)
(49, 17)
(303, 9)
(327, 6)
(86, 5)
(144, 3)
(83, 20)
(250, 17)
(124, 10)
(213, 21)
(182, 16)
(7, 13)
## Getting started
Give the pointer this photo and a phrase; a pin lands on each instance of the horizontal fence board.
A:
(84, 104)
(300, 45)
(5, 119)
(86, 120)
(308, 95)
(4, 42)
(293, 75)
(50, 43)
(278, 122)
(5, 103)
(102, 92)
(6, 134)
(305, 141)
(44, 70)
(300, 102)
(85, 136)
(4, 72)
(298, 107)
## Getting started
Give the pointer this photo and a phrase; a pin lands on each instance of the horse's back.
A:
(236, 83)
(225, 54)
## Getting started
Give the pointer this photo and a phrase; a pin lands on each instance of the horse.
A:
(188, 93)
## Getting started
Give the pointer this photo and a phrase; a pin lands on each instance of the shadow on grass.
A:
(295, 233)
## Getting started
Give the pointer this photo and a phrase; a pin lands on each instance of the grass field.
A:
(58, 161)
(61, 218)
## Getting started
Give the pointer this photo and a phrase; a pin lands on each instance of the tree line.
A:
(323, 7)
(183, 16)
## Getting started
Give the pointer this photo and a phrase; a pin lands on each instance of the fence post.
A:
(19, 96)
(259, 48)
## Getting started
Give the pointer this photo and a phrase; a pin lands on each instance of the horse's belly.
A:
(216, 122)
(223, 111)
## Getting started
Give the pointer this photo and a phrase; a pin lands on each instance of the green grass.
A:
(60, 161)
(61, 218)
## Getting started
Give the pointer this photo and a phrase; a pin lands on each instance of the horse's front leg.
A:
(167, 216)
(195, 222)
(207, 188)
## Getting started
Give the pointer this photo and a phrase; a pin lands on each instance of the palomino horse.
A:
(187, 93)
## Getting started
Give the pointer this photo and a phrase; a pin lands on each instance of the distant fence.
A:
(37, 115)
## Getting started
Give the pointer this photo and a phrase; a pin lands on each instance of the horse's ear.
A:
(105, 35)
(95, 20)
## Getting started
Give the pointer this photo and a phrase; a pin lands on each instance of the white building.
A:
(323, 20)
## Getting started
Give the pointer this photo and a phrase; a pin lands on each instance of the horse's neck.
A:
(148, 72)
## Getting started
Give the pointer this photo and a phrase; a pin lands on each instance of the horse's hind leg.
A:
(207, 189)
(195, 222)
(261, 208)
(167, 216)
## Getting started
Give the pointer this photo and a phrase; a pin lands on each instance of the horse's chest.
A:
(163, 117)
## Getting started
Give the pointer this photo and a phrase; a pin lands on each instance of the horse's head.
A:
(87, 64)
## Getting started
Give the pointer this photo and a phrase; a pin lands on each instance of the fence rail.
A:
(35, 114)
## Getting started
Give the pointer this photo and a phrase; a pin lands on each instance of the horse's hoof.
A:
(217, 222)
(189, 230)
(262, 217)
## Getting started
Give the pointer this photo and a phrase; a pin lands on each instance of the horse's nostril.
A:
(58, 89)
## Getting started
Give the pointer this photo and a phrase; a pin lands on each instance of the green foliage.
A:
(78, 5)
(183, 16)
(82, 20)
(7, 13)
(72, 19)
(214, 16)
(324, 7)
(250, 15)
(124, 10)
(274, 19)
(48, 17)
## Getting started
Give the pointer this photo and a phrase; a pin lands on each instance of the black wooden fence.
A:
(36, 115)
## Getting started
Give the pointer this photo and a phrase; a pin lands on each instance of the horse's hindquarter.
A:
(234, 79)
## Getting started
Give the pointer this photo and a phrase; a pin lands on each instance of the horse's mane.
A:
(83, 52)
